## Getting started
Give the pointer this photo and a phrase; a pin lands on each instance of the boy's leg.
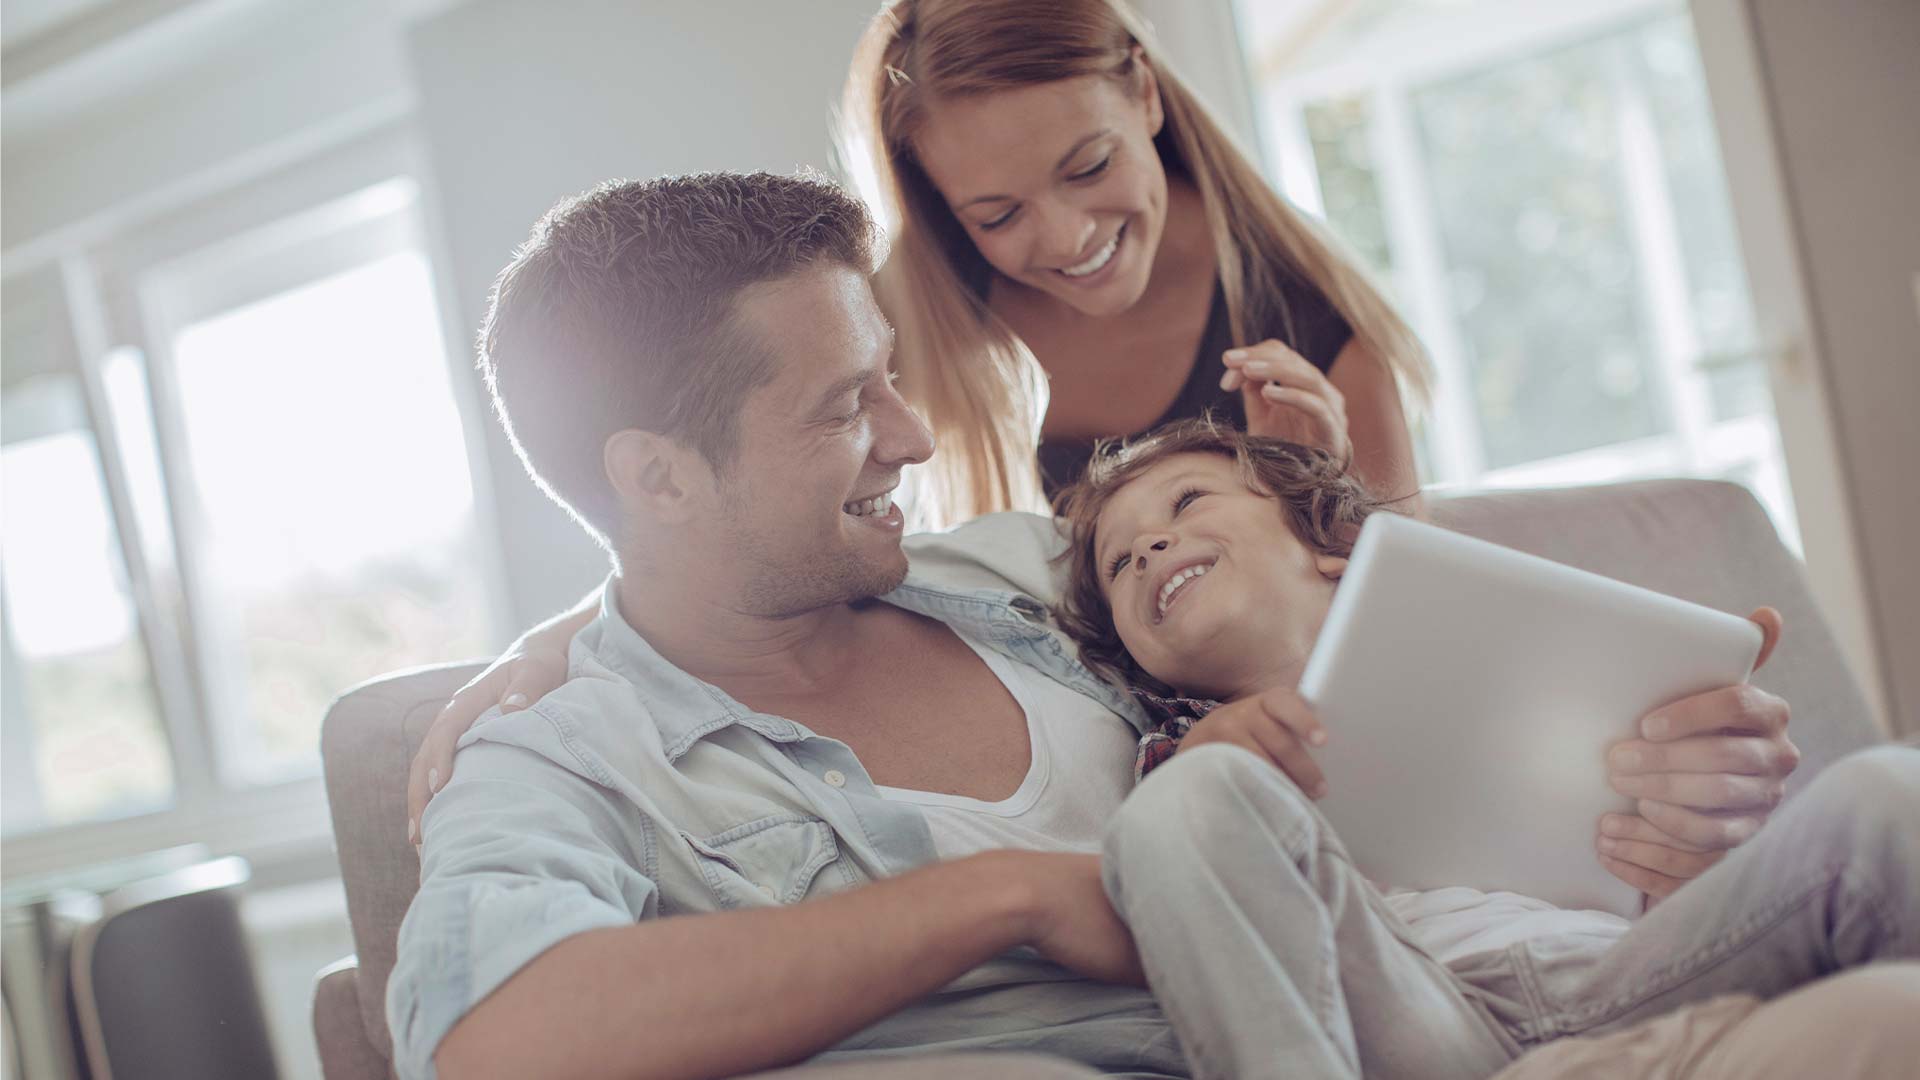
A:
(1268, 950)
(1832, 882)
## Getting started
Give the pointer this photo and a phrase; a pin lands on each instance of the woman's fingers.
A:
(1331, 431)
(1274, 361)
(433, 762)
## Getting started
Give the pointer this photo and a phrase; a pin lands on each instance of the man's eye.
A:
(1093, 171)
(1186, 497)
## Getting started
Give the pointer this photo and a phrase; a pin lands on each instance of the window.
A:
(84, 739)
(1538, 188)
(332, 507)
(237, 482)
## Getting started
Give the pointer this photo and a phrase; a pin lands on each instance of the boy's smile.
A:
(1210, 590)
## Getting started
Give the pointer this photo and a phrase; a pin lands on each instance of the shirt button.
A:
(835, 778)
(768, 890)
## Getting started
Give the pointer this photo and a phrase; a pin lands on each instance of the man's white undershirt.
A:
(1082, 766)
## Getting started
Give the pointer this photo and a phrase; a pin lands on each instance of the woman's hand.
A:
(1278, 725)
(1707, 772)
(1288, 398)
(532, 667)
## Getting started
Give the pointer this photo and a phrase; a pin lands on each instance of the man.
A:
(696, 368)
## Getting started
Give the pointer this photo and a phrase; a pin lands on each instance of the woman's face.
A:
(1211, 591)
(1058, 183)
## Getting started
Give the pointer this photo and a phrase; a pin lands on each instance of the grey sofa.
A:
(1704, 541)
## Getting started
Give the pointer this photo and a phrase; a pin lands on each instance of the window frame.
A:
(132, 288)
(1428, 48)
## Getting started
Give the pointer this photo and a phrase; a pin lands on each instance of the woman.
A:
(1077, 246)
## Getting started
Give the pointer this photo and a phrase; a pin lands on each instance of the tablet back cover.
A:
(1471, 693)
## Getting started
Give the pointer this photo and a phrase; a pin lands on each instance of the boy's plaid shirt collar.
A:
(1172, 718)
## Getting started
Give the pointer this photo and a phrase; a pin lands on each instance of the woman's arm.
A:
(533, 666)
(1353, 412)
(1377, 425)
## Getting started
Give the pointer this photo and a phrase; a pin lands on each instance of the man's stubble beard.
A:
(781, 582)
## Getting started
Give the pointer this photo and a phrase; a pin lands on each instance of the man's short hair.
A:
(620, 311)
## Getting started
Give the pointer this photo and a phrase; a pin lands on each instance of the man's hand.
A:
(1706, 772)
(1657, 864)
(1071, 921)
(1278, 725)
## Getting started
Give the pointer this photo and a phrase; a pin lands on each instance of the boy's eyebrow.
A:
(1192, 473)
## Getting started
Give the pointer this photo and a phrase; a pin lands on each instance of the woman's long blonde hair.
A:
(978, 384)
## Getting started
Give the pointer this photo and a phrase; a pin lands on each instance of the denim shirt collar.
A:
(686, 709)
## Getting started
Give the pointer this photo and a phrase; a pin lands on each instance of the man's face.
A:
(1208, 584)
(805, 508)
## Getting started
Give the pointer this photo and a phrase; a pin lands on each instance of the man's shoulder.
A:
(1010, 550)
(586, 724)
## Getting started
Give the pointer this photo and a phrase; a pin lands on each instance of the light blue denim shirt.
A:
(636, 790)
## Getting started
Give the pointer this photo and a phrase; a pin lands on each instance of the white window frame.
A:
(131, 288)
(1423, 49)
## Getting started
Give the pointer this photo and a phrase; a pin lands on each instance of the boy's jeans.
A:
(1273, 956)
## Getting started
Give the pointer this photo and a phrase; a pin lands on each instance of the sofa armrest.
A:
(345, 1051)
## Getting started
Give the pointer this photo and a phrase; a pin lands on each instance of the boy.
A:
(1201, 564)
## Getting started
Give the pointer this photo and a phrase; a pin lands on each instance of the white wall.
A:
(1814, 109)
(521, 104)
(1844, 81)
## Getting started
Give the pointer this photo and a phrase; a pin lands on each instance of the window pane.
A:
(83, 733)
(1349, 188)
(1524, 165)
(1668, 61)
(334, 506)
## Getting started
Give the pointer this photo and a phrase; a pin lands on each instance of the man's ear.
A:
(1150, 88)
(654, 476)
(1331, 567)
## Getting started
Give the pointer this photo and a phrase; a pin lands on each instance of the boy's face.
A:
(1211, 590)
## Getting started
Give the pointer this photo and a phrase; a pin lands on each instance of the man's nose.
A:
(902, 437)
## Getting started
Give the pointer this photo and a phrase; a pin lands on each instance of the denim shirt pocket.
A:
(773, 859)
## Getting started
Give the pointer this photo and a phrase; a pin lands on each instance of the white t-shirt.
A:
(1456, 922)
(1082, 766)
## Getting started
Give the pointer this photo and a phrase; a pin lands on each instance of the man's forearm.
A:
(716, 995)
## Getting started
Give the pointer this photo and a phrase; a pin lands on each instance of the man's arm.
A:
(716, 995)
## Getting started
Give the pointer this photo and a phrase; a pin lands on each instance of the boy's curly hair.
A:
(1317, 499)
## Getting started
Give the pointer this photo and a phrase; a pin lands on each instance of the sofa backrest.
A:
(367, 741)
(1705, 541)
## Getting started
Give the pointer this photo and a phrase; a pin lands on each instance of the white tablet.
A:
(1471, 693)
